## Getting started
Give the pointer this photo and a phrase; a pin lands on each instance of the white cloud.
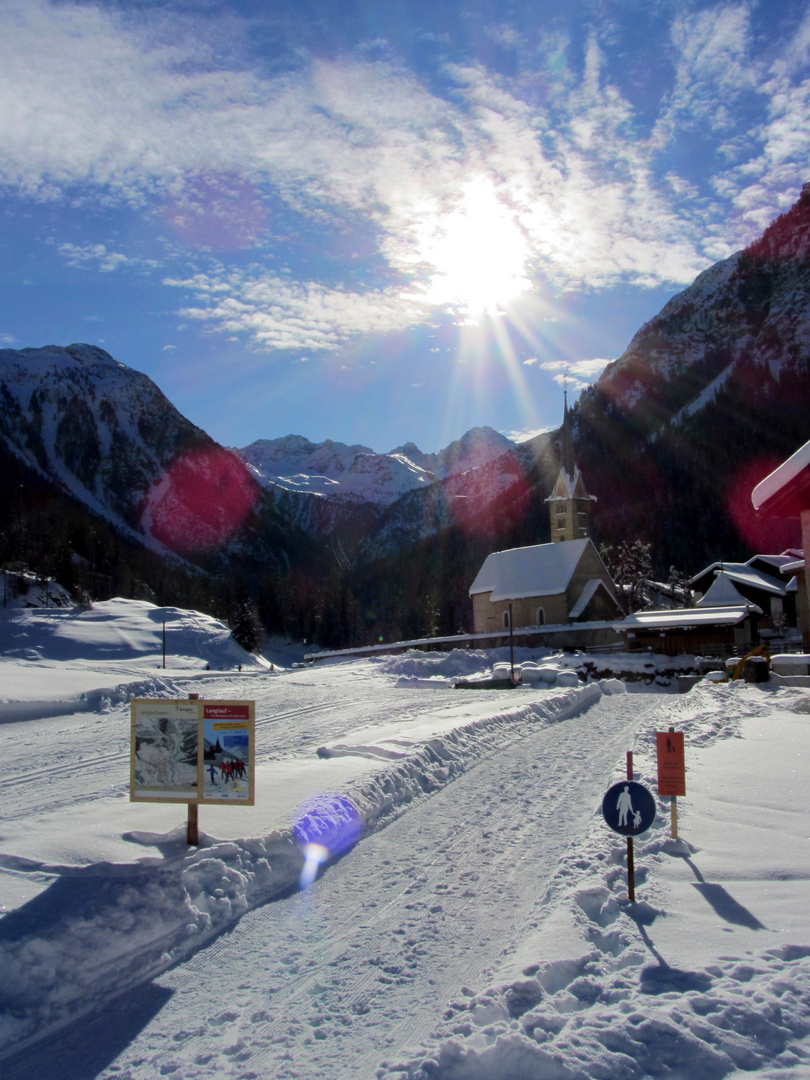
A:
(713, 67)
(576, 374)
(92, 106)
(279, 314)
(96, 255)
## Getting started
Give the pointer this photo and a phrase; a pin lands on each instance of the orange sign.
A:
(671, 766)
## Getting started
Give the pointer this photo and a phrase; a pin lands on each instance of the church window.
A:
(506, 620)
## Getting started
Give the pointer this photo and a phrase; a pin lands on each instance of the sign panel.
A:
(671, 765)
(164, 751)
(228, 757)
(192, 751)
(628, 808)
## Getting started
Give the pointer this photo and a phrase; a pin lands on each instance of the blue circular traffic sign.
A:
(628, 808)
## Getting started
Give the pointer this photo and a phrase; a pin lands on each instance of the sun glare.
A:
(478, 254)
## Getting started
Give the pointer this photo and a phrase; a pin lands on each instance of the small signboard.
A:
(671, 766)
(227, 752)
(628, 808)
(192, 751)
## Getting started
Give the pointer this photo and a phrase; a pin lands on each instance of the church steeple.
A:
(569, 502)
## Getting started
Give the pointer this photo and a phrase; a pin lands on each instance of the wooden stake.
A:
(192, 828)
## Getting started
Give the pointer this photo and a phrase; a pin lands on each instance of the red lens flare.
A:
(765, 535)
(200, 501)
(222, 211)
(489, 501)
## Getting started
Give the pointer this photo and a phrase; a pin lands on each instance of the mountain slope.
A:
(710, 395)
(107, 435)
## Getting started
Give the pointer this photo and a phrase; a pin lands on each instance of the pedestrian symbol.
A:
(628, 808)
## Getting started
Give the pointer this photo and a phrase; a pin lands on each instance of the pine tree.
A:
(246, 629)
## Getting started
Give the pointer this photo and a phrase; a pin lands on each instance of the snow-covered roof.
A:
(686, 618)
(569, 482)
(587, 595)
(539, 570)
(793, 568)
(743, 574)
(776, 485)
(722, 593)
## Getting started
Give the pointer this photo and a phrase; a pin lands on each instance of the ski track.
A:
(409, 899)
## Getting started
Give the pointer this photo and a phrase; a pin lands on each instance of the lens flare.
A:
(200, 501)
(325, 830)
(219, 210)
(315, 855)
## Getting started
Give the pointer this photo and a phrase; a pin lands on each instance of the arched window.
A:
(506, 620)
(541, 617)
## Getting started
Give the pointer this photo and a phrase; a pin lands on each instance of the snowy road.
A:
(354, 973)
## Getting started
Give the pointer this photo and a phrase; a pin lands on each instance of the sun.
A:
(476, 255)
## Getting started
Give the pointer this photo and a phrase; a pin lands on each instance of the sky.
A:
(381, 223)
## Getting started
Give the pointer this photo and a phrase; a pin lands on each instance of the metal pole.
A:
(164, 644)
(631, 867)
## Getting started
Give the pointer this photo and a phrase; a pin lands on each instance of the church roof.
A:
(539, 570)
(588, 593)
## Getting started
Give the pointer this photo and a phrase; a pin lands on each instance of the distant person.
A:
(213, 771)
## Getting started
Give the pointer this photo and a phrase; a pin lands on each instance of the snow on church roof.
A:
(588, 593)
(539, 570)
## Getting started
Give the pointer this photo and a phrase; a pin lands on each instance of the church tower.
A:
(569, 503)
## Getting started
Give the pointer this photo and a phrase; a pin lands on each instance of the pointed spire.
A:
(567, 456)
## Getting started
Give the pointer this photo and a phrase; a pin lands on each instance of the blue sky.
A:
(380, 222)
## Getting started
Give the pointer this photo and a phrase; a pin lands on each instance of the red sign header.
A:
(226, 712)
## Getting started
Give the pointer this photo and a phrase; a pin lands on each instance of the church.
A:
(562, 582)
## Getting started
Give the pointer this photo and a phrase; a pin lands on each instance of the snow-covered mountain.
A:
(380, 501)
(106, 434)
(359, 474)
(333, 470)
(752, 309)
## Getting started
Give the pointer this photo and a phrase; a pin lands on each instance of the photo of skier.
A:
(227, 737)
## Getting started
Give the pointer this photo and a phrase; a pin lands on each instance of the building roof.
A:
(744, 574)
(722, 593)
(587, 594)
(539, 570)
(686, 618)
(786, 491)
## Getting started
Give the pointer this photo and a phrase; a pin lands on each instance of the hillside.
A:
(710, 395)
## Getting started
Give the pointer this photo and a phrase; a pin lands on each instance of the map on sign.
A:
(628, 808)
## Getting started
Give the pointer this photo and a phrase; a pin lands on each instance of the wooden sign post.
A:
(671, 771)
(192, 751)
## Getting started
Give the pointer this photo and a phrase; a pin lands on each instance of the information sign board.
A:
(192, 751)
(671, 765)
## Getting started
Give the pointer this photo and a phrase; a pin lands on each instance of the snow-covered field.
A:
(425, 886)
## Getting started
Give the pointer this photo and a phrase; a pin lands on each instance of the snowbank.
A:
(128, 922)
